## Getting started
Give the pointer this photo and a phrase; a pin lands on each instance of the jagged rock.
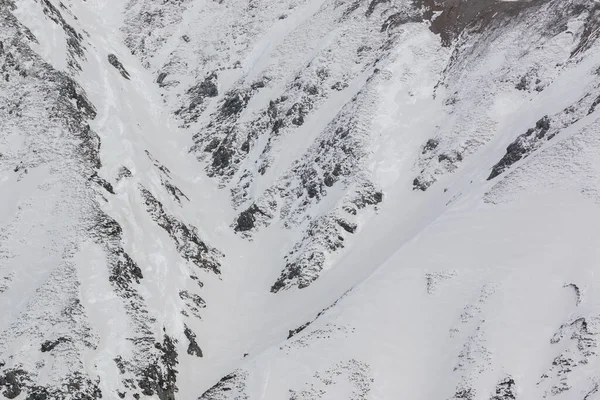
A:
(299, 329)
(193, 301)
(233, 104)
(305, 121)
(49, 345)
(11, 380)
(193, 348)
(430, 145)
(204, 89)
(521, 147)
(161, 78)
(247, 218)
(160, 377)
(74, 39)
(505, 390)
(174, 191)
(114, 61)
(185, 237)
(594, 105)
(420, 184)
(232, 384)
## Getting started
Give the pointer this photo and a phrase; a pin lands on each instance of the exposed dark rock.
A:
(591, 26)
(457, 15)
(200, 91)
(102, 182)
(114, 61)
(74, 38)
(299, 329)
(247, 218)
(17, 381)
(592, 392)
(399, 19)
(299, 112)
(214, 143)
(294, 332)
(542, 127)
(430, 145)
(158, 165)
(124, 271)
(373, 4)
(174, 191)
(328, 180)
(523, 84)
(189, 245)
(193, 348)
(234, 103)
(312, 90)
(452, 158)
(222, 156)
(160, 377)
(291, 273)
(71, 90)
(420, 184)
(11, 380)
(196, 97)
(577, 292)
(594, 105)
(278, 124)
(233, 381)
(521, 147)
(351, 8)
(161, 78)
(583, 336)
(348, 227)
(121, 364)
(258, 85)
(339, 86)
(193, 301)
(505, 390)
(464, 394)
(49, 345)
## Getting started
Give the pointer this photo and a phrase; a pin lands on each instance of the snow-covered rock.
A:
(303, 199)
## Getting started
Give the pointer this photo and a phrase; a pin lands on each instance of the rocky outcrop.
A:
(521, 147)
(114, 61)
(188, 243)
(230, 385)
(193, 348)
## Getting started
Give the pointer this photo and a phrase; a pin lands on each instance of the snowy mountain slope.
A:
(304, 199)
(464, 321)
(80, 321)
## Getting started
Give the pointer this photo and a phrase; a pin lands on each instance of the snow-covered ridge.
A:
(299, 199)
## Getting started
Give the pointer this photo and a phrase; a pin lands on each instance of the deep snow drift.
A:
(299, 199)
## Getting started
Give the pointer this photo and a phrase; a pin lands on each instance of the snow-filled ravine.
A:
(299, 199)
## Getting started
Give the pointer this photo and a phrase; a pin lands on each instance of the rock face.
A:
(301, 199)
(114, 61)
